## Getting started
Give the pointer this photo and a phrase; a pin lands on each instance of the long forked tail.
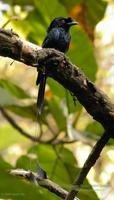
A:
(41, 81)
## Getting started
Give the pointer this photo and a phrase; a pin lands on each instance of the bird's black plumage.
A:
(58, 37)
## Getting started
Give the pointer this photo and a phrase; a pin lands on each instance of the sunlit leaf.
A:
(19, 2)
(95, 130)
(10, 136)
(82, 53)
(57, 112)
(59, 164)
(63, 94)
(6, 98)
(24, 111)
(93, 10)
(13, 89)
(15, 188)
(56, 88)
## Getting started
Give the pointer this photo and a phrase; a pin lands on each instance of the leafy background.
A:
(61, 116)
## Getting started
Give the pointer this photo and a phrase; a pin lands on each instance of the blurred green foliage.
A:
(34, 18)
(61, 170)
(54, 168)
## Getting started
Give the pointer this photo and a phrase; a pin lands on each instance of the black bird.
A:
(58, 37)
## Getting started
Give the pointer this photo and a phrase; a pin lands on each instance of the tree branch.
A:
(92, 158)
(53, 140)
(16, 126)
(46, 183)
(72, 78)
(62, 70)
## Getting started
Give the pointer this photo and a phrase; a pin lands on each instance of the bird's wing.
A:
(41, 80)
(52, 36)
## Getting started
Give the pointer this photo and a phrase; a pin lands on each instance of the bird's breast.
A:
(58, 39)
(63, 41)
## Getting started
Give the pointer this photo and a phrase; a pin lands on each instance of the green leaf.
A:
(10, 136)
(59, 164)
(24, 111)
(6, 98)
(56, 88)
(70, 4)
(48, 163)
(94, 10)
(13, 89)
(18, 2)
(47, 9)
(61, 93)
(82, 53)
(4, 165)
(87, 192)
(36, 21)
(56, 110)
(94, 7)
(94, 130)
(15, 188)
(73, 104)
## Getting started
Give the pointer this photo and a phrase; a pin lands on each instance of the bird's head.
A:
(62, 22)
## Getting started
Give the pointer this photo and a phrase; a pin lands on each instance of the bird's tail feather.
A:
(38, 77)
(41, 81)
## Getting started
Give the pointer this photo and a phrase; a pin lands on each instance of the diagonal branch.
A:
(72, 78)
(92, 158)
(45, 183)
(53, 140)
(16, 126)
(62, 70)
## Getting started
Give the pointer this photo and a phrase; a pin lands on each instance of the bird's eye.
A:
(61, 22)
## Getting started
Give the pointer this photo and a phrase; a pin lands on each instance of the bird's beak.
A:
(73, 23)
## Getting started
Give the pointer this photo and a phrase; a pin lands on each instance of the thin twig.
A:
(54, 133)
(16, 126)
(33, 138)
(94, 155)
(53, 140)
(9, 20)
(58, 67)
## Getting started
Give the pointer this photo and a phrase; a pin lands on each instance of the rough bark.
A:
(62, 70)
